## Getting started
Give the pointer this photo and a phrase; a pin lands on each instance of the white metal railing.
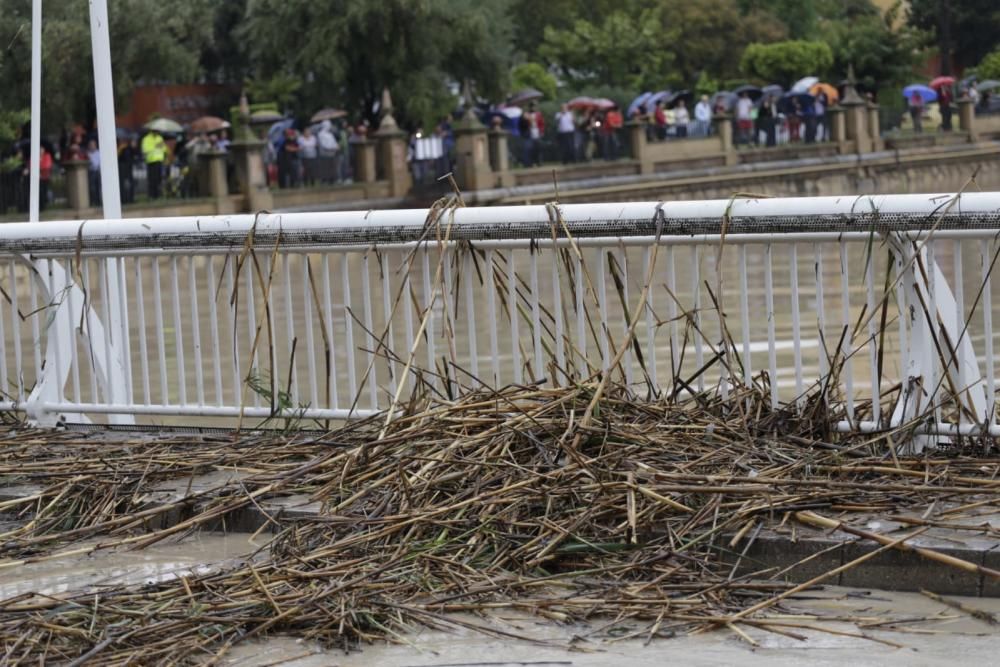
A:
(335, 315)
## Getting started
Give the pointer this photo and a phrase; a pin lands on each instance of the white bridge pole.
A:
(36, 109)
(100, 40)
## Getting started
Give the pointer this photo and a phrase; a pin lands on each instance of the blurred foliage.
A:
(967, 30)
(989, 68)
(786, 62)
(308, 54)
(533, 75)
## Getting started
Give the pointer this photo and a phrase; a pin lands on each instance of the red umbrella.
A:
(942, 81)
(582, 103)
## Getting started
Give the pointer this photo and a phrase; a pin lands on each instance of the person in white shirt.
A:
(329, 152)
(308, 151)
(681, 119)
(566, 134)
(744, 120)
(703, 116)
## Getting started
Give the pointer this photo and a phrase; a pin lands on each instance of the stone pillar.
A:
(364, 161)
(500, 157)
(857, 126)
(637, 141)
(874, 129)
(251, 176)
(216, 182)
(838, 131)
(77, 186)
(724, 130)
(392, 151)
(472, 163)
(967, 118)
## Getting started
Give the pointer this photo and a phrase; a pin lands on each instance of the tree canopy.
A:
(307, 54)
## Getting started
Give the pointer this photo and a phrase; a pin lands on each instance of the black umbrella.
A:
(525, 96)
(674, 98)
(752, 91)
(728, 100)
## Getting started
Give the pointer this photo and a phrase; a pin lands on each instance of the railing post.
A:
(637, 142)
(838, 131)
(967, 118)
(473, 160)
(392, 151)
(499, 157)
(724, 129)
(364, 160)
(251, 177)
(77, 187)
(874, 130)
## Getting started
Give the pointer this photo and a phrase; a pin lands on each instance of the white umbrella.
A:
(803, 85)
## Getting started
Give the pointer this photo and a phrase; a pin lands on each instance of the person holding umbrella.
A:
(154, 153)
(944, 104)
(916, 107)
(532, 127)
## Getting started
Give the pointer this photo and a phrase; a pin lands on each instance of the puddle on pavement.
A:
(107, 568)
(929, 632)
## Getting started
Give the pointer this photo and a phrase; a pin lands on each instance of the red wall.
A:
(182, 103)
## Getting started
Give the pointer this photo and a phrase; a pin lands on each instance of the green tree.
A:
(989, 68)
(625, 49)
(784, 62)
(881, 48)
(964, 31)
(150, 41)
(346, 51)
(533, 75)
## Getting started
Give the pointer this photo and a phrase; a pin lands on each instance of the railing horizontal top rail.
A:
(809, 215)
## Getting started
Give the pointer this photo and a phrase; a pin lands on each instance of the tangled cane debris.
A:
(474, 505)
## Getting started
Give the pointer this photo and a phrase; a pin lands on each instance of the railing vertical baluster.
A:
(331, 371)
(36, 337)
(269, 302)
(140, 303)
(824, 366)
(3, 353)
(904, 348)
(699, 350)
(491, 313)
(538, 366)
(199, 372)
(53, 329)
(178, 331)
(388, 331)
(308, 299)
(15, 331)
(793, 259)
(449, 302)
(873, 340)
(291, 340)
(960, 333)
(352, 365)
(254, 341)
(468, 272)
(406, 303)
(650, 326)
(110, 387)
(602, 306)
(986, 258)
(626, 306)
(230, 263)
(125, 343)
(515, 336)
(845, 351)
(161, 347)
(430, 302)
(672, 310)
(936, 330)
(213, 325)
(581, 315)
(772, 358)
(557, 313)
(745, 316)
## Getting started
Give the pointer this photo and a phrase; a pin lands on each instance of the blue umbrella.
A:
(805, 100)
(657, 97)
(637, 102)
(926, 93)
(276, 134)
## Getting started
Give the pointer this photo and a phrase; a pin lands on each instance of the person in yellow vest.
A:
(154, 152)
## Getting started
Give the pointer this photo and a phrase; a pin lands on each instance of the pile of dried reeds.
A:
(572, 503)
